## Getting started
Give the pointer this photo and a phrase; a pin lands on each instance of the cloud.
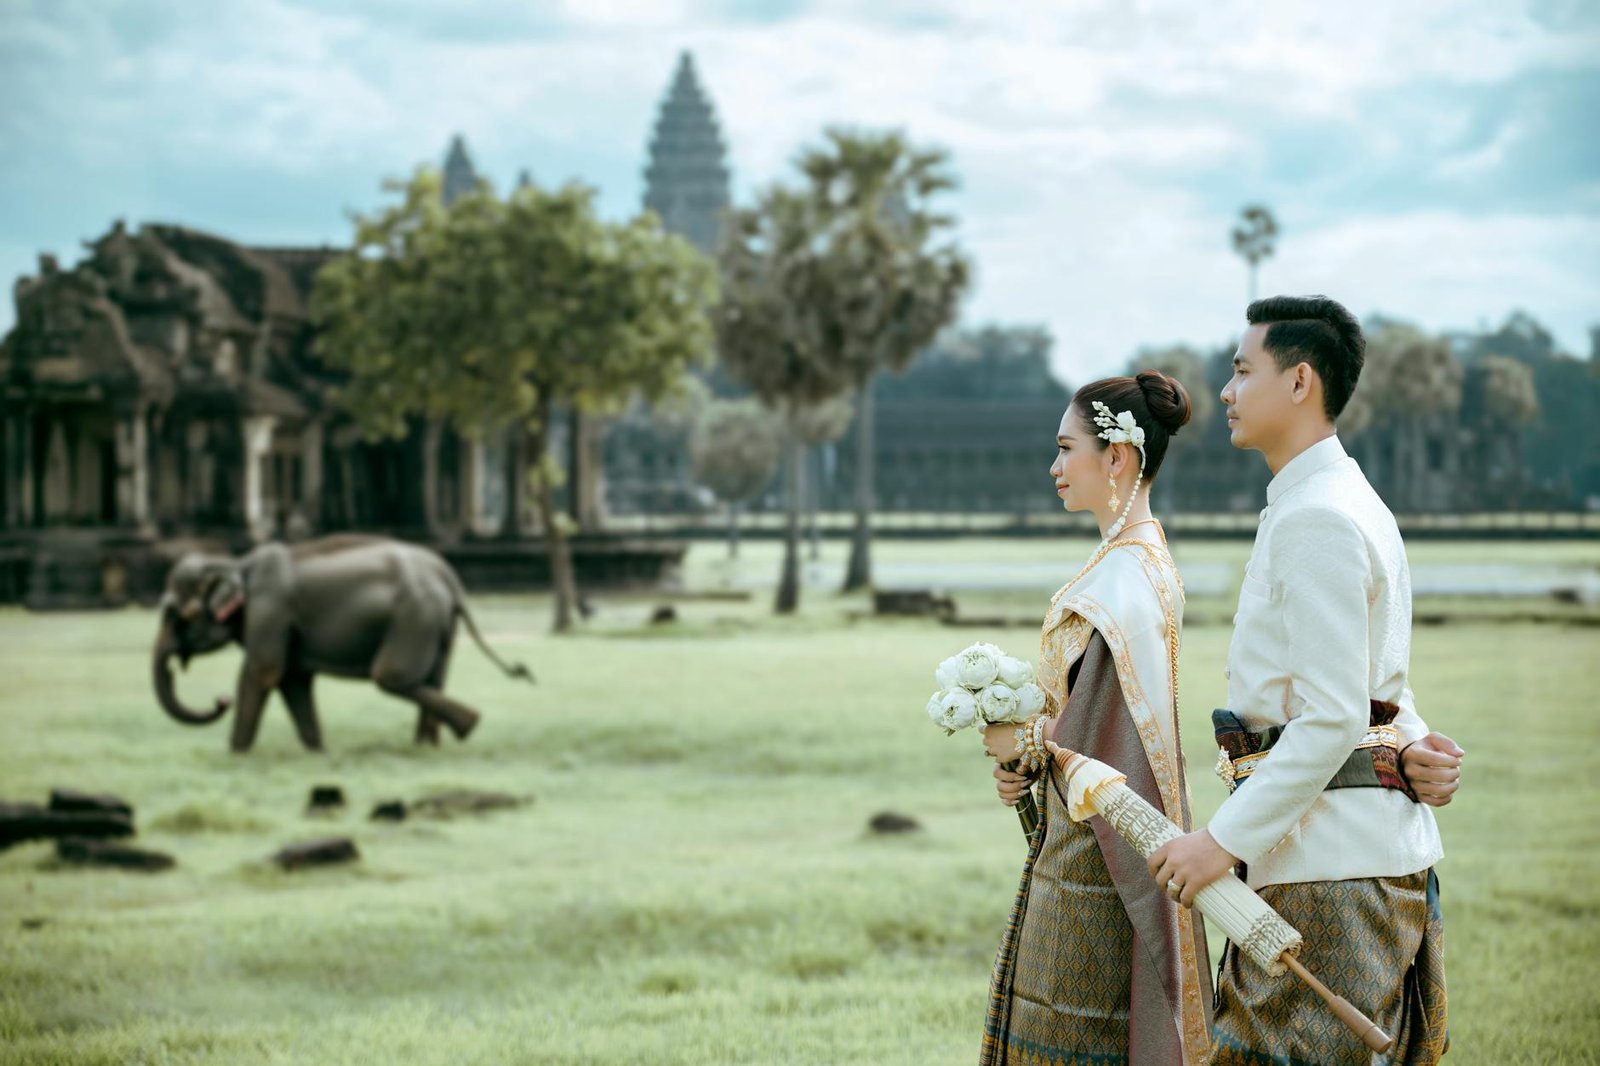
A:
(1103, 147)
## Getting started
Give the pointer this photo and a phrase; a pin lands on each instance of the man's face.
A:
(1259, 397)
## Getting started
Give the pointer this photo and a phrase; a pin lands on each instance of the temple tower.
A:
(686, 182)
(459, 176)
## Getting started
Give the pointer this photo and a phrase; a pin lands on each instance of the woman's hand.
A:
(1000, 741)
(1010, 786)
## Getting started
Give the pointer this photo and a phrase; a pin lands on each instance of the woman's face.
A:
(1082, 469)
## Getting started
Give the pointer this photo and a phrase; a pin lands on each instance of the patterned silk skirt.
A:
(1062, 979)
(1376, 941)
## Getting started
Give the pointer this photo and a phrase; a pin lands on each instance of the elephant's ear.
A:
(268, 578)
(225, 594)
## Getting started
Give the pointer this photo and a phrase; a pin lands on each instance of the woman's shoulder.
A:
(1123, 583)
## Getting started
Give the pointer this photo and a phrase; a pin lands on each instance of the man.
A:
(1333, 771)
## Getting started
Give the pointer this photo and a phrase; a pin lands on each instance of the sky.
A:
(1435, 160)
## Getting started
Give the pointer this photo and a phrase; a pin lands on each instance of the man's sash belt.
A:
(1375, 762)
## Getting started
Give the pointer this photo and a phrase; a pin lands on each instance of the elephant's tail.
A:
(511, 669)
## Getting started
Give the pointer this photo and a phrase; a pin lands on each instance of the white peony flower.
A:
(998, 704)
(979, 666)
(957, 710)
(1015, 672)
(1030, 699)
(948, 675)
(936, 707)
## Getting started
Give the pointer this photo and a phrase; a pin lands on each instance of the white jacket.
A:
(1324, 625)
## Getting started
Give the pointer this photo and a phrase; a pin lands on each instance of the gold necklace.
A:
(1141, 522)
(1094, 560)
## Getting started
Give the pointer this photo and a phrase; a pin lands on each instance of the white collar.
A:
(1319, 456)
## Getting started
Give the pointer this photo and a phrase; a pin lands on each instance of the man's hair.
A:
(1315, 330)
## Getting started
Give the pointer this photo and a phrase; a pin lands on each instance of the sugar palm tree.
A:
(772, 276)
(1255, 238)
(894, 278)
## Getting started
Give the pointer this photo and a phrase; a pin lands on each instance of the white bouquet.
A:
(982, 685)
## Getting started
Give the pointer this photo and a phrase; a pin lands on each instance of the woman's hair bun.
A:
(1166, 399)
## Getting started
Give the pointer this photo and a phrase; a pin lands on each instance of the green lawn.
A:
(693, 882)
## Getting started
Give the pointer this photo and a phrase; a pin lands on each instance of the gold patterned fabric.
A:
(1062, 981)
(1376, 941)
(1132, 598)
(1096, 964)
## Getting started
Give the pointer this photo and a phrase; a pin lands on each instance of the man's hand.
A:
(1433, 767)
(1184, 866)
(1010, 786)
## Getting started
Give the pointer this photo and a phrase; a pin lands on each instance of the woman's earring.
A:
(1116, 497)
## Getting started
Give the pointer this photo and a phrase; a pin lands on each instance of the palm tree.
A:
(892, 285)
(1255, 239)
(772, 276)
(820, 424)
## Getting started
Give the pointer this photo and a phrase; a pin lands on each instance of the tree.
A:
(1189, 368)
(1499, 398)
(819, 424)
(770, 339)
(496, 313)
(1255, 238)
(891, 284)
(1408, 381)
(735, 449)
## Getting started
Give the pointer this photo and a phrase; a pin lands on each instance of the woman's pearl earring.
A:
(1116, 497)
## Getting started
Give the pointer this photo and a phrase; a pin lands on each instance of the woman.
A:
(1097, 964)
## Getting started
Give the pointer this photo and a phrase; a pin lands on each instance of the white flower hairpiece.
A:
(1119, 429)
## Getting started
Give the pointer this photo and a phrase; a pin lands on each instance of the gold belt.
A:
(1232, 771)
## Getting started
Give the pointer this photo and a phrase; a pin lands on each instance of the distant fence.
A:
(1517, 525)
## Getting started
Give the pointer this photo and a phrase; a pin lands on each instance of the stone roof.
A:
(168, 313)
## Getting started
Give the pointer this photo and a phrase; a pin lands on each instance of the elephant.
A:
(350, 605)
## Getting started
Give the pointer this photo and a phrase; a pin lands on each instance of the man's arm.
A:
(1410, 724)
(1431, 762)
(1320, 561)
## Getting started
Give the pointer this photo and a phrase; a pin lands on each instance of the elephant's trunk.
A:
(166, 648)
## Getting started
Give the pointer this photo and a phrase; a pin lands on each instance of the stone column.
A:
(26, 498)
(311, 475)
(196, 462)
(56, 477)
(488, 485)
(431, 433)
(10, 477)
(133, 473)
(257, 446)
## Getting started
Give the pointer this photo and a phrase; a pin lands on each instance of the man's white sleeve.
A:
(1319, 562)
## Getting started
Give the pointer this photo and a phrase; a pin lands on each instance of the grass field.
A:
(694, 881)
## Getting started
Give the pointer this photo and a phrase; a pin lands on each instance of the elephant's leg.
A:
(457, 715)
(296, 689)
(247, 715)
(427, 722)
(407, 663)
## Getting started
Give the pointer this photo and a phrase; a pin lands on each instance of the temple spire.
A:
(686, 182)
(459, 176)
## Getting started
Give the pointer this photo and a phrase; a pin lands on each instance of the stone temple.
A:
(686, 182)
(165, 394)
